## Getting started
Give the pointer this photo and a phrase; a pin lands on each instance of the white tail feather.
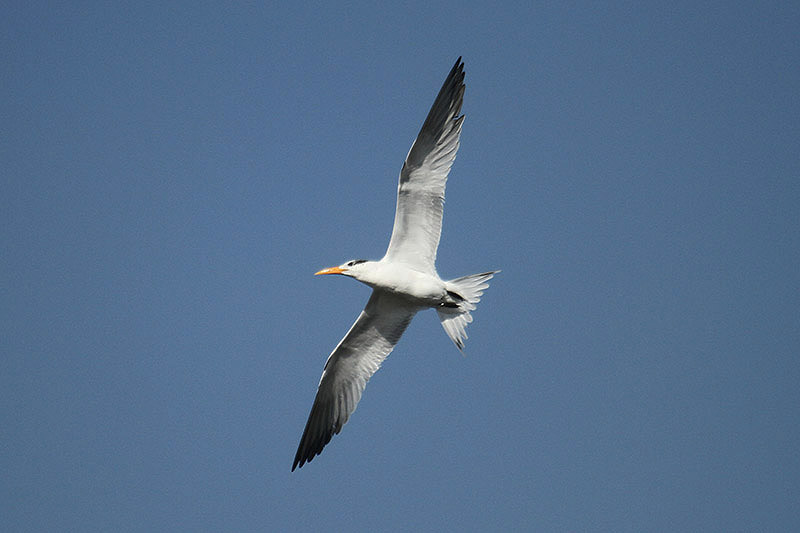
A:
(466, 293)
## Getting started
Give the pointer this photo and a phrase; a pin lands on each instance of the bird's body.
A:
(419, 288)
(404, 281)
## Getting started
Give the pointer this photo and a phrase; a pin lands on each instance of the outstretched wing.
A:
(420, 194)
(358, 356)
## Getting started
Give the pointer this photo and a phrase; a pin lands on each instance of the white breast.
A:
(397, 278)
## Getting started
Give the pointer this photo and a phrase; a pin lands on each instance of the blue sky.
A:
(173, 176)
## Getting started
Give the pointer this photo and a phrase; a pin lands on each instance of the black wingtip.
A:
(458, 66)
(298, 462)
(301, 457)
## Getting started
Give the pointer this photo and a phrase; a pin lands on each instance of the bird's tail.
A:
(463, 295)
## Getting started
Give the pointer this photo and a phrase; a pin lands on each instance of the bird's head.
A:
(352, 268)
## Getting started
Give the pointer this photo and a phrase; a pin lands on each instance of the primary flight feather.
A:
(404, 281)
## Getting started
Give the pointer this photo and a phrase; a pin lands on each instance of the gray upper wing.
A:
(349, 367)
(420, 193)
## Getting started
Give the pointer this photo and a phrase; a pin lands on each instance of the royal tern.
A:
(405, 280)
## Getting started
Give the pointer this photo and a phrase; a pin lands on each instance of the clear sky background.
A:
(173, 175)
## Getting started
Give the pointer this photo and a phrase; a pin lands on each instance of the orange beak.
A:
(331, 270)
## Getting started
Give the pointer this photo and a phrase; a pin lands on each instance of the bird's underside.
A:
(404, 281)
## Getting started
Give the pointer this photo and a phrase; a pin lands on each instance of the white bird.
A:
(404, 281)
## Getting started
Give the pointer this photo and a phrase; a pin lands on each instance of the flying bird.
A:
(404, 281)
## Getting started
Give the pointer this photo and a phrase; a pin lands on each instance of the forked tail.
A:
(465, 293)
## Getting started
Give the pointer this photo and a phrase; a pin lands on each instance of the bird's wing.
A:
(358, 356)
(420, 194)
